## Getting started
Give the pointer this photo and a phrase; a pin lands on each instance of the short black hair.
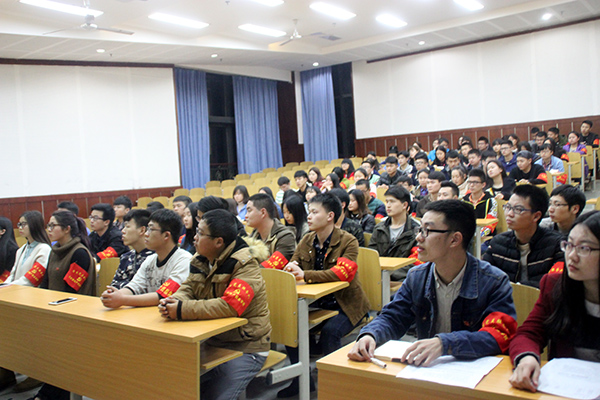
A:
(483, 139)
(221, 223)
(572, 195)
(123, 201)
(474, 151)
(393, 149)
(437, 175)
(444, 140)
(526, 145)
(362, 182)
(424, 170)
(451, 185)
(467, 143)
(154, 205)
(369, 161)
(535, 196)
(108, 213)
(403, 153)
(422, 156)
(330, 203)
(405, 179)
(541, 134)
(140, 217)
(343, 196)
(459, 216)
(478, 173)
(169, 221)
(555, 130)
(262, 200)
(400, 193)
(284, 180)
(547, 146)
(587, 121)
(209, 203)
(534, 130)
(488, 154)
(183, 199)
(300, 174)
(391, 160)
(452, 154)
(69, 205)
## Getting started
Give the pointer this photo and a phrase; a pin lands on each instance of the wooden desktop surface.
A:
(340, 378)
(314, 291)
(394, 263)
(108, 354)
(481, 222)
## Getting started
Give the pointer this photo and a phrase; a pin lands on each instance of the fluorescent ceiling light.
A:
(171, 19)
(421, 43)
(470, 4)
(390, 20)
(66, 8)
(100, 50)
(270, 3)
(262, 30)
(315, 64)
(332, 11)
(546, 16)
(214, 55)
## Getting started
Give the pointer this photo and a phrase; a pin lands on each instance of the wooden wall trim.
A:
(381, 144)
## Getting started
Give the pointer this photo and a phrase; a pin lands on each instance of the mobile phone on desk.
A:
(62, 301)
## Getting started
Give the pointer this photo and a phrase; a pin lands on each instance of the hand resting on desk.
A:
(420, 353)
(168, 308)
(527, 374)
(295, 269)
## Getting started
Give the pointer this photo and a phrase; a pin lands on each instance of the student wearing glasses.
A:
(566, 204)
(106, 240)
(566, 316)
(527, 251)
(483, 203)
(461, 306)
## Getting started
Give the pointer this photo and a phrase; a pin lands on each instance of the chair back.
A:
(164, 200)
(181, 192)
(240, 177)
(283, 306)
(369, 272)
(213, 184)
(367, 238)
(575, 162)
(524, 297)
(143, 201)
(214, 191)
(108, 267)
(197, 192)
(501, 227)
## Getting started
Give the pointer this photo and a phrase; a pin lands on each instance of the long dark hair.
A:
(317, 171)
(243, 190)
(350, 167)
(362, 204)
(295, 206)
(190, 233)
(78, 228)
(8, 245)
(335, 180)
(567, 320)
(35, 223)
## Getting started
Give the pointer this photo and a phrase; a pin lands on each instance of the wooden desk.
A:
(340, 378)
(555, 176)
(481, 222)
(83, 347)
(389, 265)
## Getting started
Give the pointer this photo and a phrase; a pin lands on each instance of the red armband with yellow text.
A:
(276, 261)
(4, 276)
(557, 268)
(502, 327)
(238, 295)
(76, 276)
(345, 269)
(168, 288)
(35, 274)
(108, 253)
(414, 253)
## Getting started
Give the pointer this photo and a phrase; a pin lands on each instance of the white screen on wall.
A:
(76, 129)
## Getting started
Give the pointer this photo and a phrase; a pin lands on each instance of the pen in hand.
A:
(379, 363)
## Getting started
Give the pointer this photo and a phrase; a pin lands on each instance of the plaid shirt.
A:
(128, 266)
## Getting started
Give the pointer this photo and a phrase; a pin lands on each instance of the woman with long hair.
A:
(191, 223)
(566, 316)
(311, 192)
(31, 260)
(348, 168)
(358, 211)
(440, 157)
(332, 181)
(241, 196)
(8, 248)
(499, 184)
(458, 175)
(315, 177)
(294, 213)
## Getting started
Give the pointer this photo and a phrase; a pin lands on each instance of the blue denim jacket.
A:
(485, 289)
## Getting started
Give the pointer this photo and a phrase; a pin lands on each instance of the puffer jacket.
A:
(234, 288)
(281, 239)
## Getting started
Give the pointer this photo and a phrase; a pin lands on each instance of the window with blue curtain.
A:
(256, 124)
(318, 115)
(192, 120)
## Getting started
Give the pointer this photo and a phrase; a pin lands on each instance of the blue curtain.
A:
(318, 115)
(256, 124)
(192, 119)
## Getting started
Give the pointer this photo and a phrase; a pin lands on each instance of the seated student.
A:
(461, 306)
(526, 171)
(134, 236)
(361, 174)
(487, 156)
(440, 157)
(348, 168)
(332, 181)
(284, 185)
(358, 211)
(434, 182)
(267, 190)
(373, 203)
(483, 203)
(567, 314)
(458, 175)
(122, 205)
(31, 259)
(301, 178)
(483, 144)
(369, 166)
(448, 191)
(225, 281)
(566, 204)
(540, 137)
(452, 161)
(550, 163)
(420, 190)
(465, 148)
(8, 248)
(496, 147)
(241, 196)
(106, 238)
(180, 203)
(395, 237)
(190, 223)
(209, 203)
(315, 178)
(500, 185)
(434, 145)
(575, 145)
(71, 207)
(344, 182)
(554, 134)
(294, 213)
(311, 192)
(514, 140)
(404, 167)
(508, 160)
(421, 163)
(557, 151)
(474, 157)
(527, 251)
(372, 156)
(587, 137)
(153, 206)
(348, 224)
(262, 216)
(391, 175)
(328, 254)
(162, 273)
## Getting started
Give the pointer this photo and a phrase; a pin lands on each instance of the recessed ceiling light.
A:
(100, 50)
(421, 43)
(261, 30)
(270, 3)
(332, 11)
(171, 19)
(214, 55)
(66, 8)
(470, 4)
(546, 16)
(390, 20)
(315, 64)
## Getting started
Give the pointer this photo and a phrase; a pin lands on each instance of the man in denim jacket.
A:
(462, 306)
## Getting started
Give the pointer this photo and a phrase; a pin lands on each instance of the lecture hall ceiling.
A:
(431, 24)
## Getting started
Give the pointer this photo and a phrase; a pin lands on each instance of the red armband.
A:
(181, 239)
(543, 177)
(562, 179)
(168, 288)
(238, 295)
(596, 142)
(557, 268)
(4, 276)
(35, 274)
(345, 269)
(502, 327)
(76, 277)
(276, 261)
(414, 253)
(108, 253)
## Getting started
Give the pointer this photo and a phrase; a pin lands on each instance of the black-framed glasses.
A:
(52, 225)
(556, 204)
(425, 231)
(21, 225)
(94, 218)
(200, 233)
(582, 251)
(516, 209)
(474, 182)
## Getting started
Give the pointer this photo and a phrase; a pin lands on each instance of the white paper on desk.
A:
(569, 377)
(447, 370)
(392, 349)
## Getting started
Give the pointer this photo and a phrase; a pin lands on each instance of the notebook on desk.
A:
(392, 350)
